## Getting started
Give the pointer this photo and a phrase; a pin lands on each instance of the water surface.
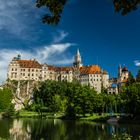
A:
(53, 129)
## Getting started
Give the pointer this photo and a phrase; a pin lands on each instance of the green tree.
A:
(71, 98)
(131, 98)
(131, 79)
(5, 99)
(138, 76)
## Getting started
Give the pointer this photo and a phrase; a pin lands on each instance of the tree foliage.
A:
(138, 76)
(55, 8)
(71, 98)
(5, 99)
(125, 6)
(131, 98)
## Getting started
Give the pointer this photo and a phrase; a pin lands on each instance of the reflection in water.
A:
(19, 132)
(41, 129)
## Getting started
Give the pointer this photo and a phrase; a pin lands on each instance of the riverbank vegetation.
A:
(6, 106)
(61, 99)
(75, 101)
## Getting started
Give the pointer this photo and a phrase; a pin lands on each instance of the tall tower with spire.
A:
(77, 60)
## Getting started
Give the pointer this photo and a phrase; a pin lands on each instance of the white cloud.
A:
(61, 35)
(14, 15)
(52, 54)
(137, 63)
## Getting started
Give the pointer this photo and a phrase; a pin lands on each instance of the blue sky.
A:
(103, 36)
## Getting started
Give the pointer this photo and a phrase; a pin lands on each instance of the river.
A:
(53, 129)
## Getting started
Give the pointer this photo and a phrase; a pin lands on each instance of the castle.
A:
(115, 84)
(28, 70)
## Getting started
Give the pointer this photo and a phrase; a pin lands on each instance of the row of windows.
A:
(95, 79)
(14, 69)
(95, 75)
(32, 70)
(23, 74)
(91, 80)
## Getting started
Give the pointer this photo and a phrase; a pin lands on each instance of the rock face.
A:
(22, 91)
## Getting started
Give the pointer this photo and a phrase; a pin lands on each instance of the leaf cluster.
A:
(125, 6)
(55, 8)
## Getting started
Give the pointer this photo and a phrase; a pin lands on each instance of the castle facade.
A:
(91, 75)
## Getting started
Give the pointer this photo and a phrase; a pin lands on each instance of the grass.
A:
(94, 117)
(30, 114)
(98, 118)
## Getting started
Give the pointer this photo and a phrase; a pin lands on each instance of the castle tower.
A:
(123, 74)
(77, 60)
(119, 71)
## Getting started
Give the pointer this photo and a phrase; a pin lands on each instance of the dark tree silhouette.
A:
(55, 8)
(138, 76)
(125, 6)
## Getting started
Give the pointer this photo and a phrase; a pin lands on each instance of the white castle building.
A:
(91, 75)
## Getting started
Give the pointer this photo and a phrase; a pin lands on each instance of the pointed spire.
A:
(120, 66)
(78, 53)
(78, 61)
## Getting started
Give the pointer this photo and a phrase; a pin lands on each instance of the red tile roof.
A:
(29, 64)
(53, 68)
(93, 69)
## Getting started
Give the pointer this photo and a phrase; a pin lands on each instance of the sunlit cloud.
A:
(137, 63)
(54, 54)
